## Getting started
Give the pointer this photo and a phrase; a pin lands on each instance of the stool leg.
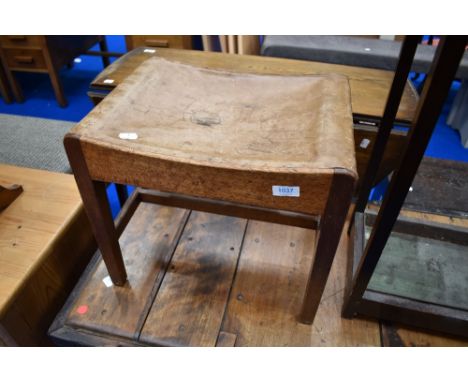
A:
(98, 210)
(331, 226)
(122, 193)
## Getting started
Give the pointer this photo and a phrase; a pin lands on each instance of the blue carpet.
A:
(40, 102)
(113, 199)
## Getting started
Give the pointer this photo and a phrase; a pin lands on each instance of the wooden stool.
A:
(273, 148)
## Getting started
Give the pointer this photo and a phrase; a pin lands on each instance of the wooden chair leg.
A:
(4, 88)
(5, 94)
(98, 210)
(122, 193)
(11, 79)
(331, 226)
(57, 86)
(103, 48)
(15, 87)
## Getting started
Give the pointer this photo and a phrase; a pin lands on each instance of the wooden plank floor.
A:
(198, 279)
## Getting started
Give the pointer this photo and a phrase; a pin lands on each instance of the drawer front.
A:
(24, 59)
(22, 41)
(160, 41)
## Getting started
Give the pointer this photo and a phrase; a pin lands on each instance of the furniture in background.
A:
(236, 44)
(406, 270)
(45, 243)
(458, 116)
(4, 86)
(159, 41)
(45, 54)
(439, 188)
(353, 51)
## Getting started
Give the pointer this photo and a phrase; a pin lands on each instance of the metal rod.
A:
(405, 61)
(439, 79)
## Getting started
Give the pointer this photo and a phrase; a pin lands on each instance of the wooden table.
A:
(45, 243)
(44, 54)
(369, 89)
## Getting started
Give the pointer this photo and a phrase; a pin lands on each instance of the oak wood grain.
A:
(156, 174)
(122, 310)
(29, 225)
(189, 307)
(45, 243)
(268, 290)
(226, 339)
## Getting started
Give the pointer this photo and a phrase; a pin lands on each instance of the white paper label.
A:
(107, 281)
(293, 191)
(150, 51)
(129, 136)
(108, 81)
(364, 143)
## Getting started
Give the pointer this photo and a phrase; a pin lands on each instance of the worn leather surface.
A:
(231, 120)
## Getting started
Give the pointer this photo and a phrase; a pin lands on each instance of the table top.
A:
(32, 223)
(215, 118)
(369, 87)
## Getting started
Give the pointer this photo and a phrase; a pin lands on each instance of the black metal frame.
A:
(365, 259)
(407, 53)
